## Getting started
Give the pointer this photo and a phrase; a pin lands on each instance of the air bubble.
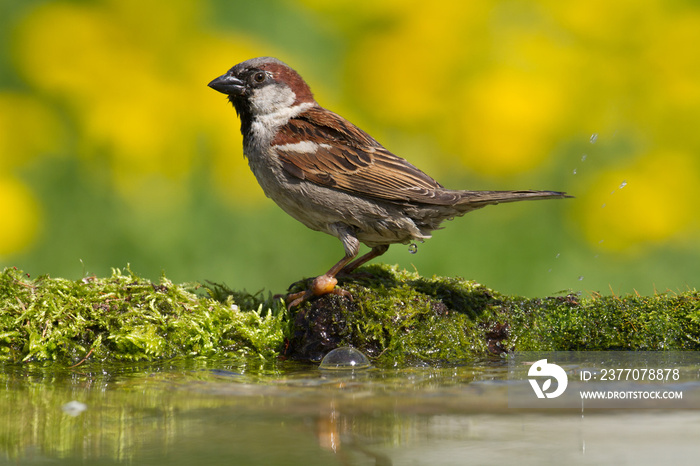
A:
(583, 158)
(574, 171)
(344, 358)
(623, 184)
(580, 277)
(594, 138)
(412, 248)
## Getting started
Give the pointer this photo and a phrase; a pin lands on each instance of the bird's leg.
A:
(325, 284)
(375, 252)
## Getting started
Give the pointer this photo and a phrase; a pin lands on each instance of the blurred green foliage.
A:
(114, 151)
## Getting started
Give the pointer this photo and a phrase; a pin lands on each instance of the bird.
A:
(334, 177)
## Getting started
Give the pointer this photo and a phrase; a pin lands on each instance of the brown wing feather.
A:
(351, 160)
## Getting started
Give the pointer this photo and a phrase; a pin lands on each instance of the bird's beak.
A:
(227, 84)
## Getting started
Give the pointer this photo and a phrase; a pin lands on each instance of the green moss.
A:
(660, 322)
(399, 317)
(124, 317)
(396, 317)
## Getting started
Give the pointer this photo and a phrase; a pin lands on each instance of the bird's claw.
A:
(323, 284)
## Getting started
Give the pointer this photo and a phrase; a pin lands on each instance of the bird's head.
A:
(263, 86)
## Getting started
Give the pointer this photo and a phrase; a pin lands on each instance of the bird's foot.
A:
(323, 284)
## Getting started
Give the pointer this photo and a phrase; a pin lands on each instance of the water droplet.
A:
(344, 358)
(413, 248)
(557, 256)
(580, 277)
(549, 270)
(583, 158)
(603, 206)
(574, 171)
(600, 241)
(623, 184)
(594, 138)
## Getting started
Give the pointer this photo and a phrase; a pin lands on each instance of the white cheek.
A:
(272, 99)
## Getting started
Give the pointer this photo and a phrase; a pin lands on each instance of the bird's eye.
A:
(259, 77)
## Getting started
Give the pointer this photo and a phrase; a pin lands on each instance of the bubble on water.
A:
(623, 184)
(574, 171)
(580, 277)
(594, 138)
(413, 248)
(344, 358)
(583, 158)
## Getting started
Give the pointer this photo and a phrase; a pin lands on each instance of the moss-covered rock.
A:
(395, 317)
(400, 317)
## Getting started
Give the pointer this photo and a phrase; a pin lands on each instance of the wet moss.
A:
(125, 317)
(669, 321)
(396, 317)
(399, 317)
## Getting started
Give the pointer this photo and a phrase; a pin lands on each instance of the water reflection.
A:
(290, 413)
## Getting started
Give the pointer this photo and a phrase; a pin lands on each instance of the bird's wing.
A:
(324, 148)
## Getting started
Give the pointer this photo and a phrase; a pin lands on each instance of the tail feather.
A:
(476, 199)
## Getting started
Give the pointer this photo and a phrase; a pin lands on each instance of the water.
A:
(228, 412)
(412, 248)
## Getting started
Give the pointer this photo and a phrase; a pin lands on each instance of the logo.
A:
(543, 369)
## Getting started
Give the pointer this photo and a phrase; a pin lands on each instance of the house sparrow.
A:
(332, 176)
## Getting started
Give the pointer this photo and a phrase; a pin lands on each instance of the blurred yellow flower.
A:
(675, 66)
(407, 72)
(654, 200)
(19, 212)
(138, 91)
(511, 121)
(28, 128)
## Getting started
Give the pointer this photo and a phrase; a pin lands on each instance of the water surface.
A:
(210, 412)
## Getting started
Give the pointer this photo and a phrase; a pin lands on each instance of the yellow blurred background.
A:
(114, 151)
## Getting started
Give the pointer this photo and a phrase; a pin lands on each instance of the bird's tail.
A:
(475, 199)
